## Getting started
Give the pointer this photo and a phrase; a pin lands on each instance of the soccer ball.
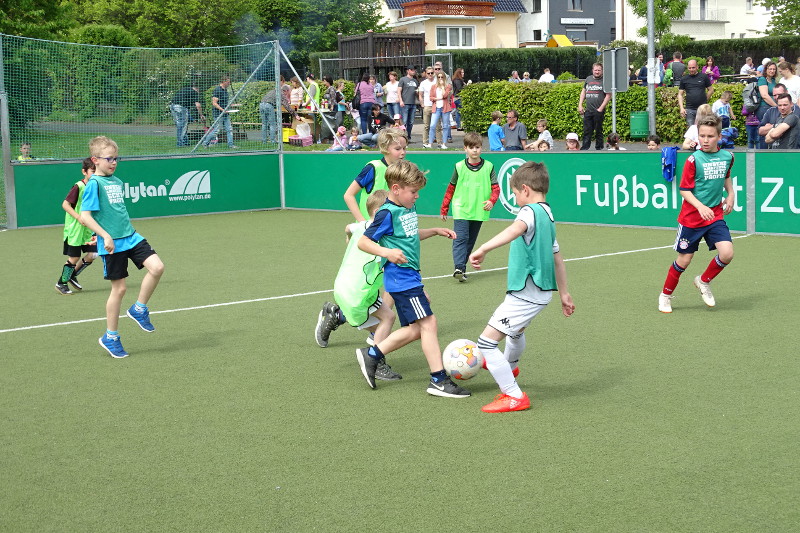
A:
(462, 359)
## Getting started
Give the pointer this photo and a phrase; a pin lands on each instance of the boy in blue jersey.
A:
(104, 212)
(535, 269)
(395, 235)
(706, 174)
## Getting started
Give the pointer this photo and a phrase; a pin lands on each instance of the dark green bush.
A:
(558, 103)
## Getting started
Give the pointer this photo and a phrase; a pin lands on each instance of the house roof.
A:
(501, 6)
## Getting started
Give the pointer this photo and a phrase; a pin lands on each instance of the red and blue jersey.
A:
(704, 175)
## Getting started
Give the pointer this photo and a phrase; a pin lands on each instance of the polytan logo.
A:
(507, 197)
(193, 185)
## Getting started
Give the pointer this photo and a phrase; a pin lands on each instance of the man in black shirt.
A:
(696, 88)
(221, 117)
(183, 101)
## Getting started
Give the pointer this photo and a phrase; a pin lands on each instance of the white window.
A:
(537, 35)
(748, 5)
(574, 5)
(455, 37)
(537, 6)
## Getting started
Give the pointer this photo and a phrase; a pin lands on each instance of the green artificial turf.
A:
(231, 418)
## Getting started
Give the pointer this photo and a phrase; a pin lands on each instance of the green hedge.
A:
(558, 103)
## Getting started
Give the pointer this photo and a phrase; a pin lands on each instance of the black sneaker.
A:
(75, 285)
(63, 288)
(368, 365)
(384, 372)
(327, 321)
(447, 389)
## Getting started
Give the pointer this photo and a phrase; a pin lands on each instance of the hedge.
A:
(558, 103)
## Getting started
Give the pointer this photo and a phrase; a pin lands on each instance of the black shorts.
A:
(76, 251)
(115, 266)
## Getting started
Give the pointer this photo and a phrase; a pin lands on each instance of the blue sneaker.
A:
(113, 346)
(142, 318)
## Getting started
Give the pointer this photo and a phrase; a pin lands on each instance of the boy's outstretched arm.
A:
(426, 233)
(567, 307)
(393, 255)
(516, 229)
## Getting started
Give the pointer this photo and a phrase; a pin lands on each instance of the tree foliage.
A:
(305, 26)
(785, 16)
(664, 12)
(41, 19)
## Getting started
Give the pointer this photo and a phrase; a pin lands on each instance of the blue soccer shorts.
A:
(687, 241)
(411, 305)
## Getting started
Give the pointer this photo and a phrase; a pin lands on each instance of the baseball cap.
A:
(411, 67)
(396, 116)
(572, 136)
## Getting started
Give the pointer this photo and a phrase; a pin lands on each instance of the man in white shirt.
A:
(748, 69)
(424, 92)
(546, 77)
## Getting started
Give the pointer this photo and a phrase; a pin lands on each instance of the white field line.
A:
(312, 293)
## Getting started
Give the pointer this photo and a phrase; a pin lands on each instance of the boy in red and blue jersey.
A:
(706, 173)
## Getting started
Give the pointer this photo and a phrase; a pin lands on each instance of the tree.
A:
(664, 12)
(305, 26)
(785, 16)
(170, 23)
(41, 19)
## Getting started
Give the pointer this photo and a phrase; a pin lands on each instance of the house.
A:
(457, 23)
(703, 20)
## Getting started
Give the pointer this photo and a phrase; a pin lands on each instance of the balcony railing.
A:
(440, 8)
(712, 15)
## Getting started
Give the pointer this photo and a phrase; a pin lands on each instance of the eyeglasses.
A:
(429, 73)
(109, 159)
(440, 76)
(437, 68)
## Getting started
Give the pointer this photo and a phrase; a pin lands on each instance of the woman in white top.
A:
(440, 100)
(390, 92)
(790, 79)
(691, 139)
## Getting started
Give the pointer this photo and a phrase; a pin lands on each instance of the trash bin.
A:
(640, 124)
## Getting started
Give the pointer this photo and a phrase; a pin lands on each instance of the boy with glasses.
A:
(103, 211)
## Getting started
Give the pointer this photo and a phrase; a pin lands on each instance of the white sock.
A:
(514, 348)
(499, 367)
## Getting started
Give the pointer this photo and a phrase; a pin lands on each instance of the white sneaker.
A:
(705, 291)
(425, 145)
(443, 146)
(665, 303)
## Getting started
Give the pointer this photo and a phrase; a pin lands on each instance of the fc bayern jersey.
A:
(704, 175)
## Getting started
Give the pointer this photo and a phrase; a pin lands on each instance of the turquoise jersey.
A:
(535, 258)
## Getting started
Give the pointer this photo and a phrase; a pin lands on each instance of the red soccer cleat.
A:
(505, 404)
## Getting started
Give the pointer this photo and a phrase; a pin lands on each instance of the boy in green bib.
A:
(392, 144)
(395, 236)
(357, 293)
(77, 237)
(535, 270)
(472, 192)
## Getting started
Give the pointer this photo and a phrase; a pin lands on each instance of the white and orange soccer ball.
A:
(462, 359)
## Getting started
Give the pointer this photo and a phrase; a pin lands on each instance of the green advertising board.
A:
(777, 192)
(620, 188)
(157, 187)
